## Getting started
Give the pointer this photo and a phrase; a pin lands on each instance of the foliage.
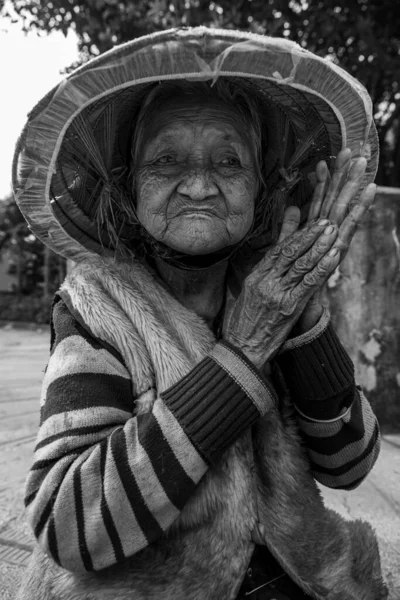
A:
(363, 35)
(26, 254)
(33, 308)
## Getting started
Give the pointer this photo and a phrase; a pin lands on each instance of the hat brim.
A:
(291, 80)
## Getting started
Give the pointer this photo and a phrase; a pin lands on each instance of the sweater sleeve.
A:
(106, 483)
(339, 428)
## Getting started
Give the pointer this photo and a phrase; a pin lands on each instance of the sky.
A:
(29, 67)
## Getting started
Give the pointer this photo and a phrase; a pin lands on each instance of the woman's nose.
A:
(198, 185)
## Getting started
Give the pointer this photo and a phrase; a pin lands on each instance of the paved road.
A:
(23, 356)
(377, 500)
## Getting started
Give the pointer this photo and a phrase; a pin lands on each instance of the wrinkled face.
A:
(196, 176)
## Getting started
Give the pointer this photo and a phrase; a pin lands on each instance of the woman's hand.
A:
(334, 199)
(275, 294)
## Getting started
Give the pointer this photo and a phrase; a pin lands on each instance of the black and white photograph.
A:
(200, 300)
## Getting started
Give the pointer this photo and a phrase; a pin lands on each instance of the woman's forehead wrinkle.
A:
(180, 131)
(171, 122)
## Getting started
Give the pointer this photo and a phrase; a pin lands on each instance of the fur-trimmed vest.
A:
(260, 492)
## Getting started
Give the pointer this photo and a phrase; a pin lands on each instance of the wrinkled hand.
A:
(276, 292)
(334, 199)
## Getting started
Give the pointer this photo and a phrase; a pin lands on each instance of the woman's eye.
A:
(165, 160)
(231, 161)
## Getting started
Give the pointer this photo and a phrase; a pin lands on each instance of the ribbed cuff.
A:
(241, 370)
(214, 406)
(310, 335)
(319, 374)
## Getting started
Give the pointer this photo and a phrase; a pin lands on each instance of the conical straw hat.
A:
(74, 149)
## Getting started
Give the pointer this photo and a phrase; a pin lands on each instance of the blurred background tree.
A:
(24, 252)
(36, 269)
(363, 35)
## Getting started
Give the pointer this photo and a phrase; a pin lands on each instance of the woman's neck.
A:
(201, 291)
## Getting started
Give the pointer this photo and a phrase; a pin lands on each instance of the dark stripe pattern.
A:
(210, 425)
(74, 432)
(46, 514)
(80, 520)
(52, 540)
(319, 375)
(353, 431)
(320, 378)
(70, 393)
(50, 462)
(63, 325)
(91, 449)
(88, 411)
(164, 462)
(147, 522)
(343, 469)
(105, 509)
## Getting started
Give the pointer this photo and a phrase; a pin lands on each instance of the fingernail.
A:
(333, 252)
(323, 222)
(328, 230)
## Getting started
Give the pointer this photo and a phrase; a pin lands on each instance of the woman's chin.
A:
(197, 248)
(197, 242)
(198, 235)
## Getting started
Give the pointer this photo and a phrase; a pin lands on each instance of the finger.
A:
(290, 224)
(307, 262)
(323, 178)
(316, 278)
(341, 207)
(342, 165)
(355, 216)
(297, 244)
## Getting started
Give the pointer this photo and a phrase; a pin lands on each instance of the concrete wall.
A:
(364, 297)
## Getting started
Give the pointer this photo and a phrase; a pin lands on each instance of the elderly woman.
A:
(195, 387)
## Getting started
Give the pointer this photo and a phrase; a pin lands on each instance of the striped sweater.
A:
(107, 482)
